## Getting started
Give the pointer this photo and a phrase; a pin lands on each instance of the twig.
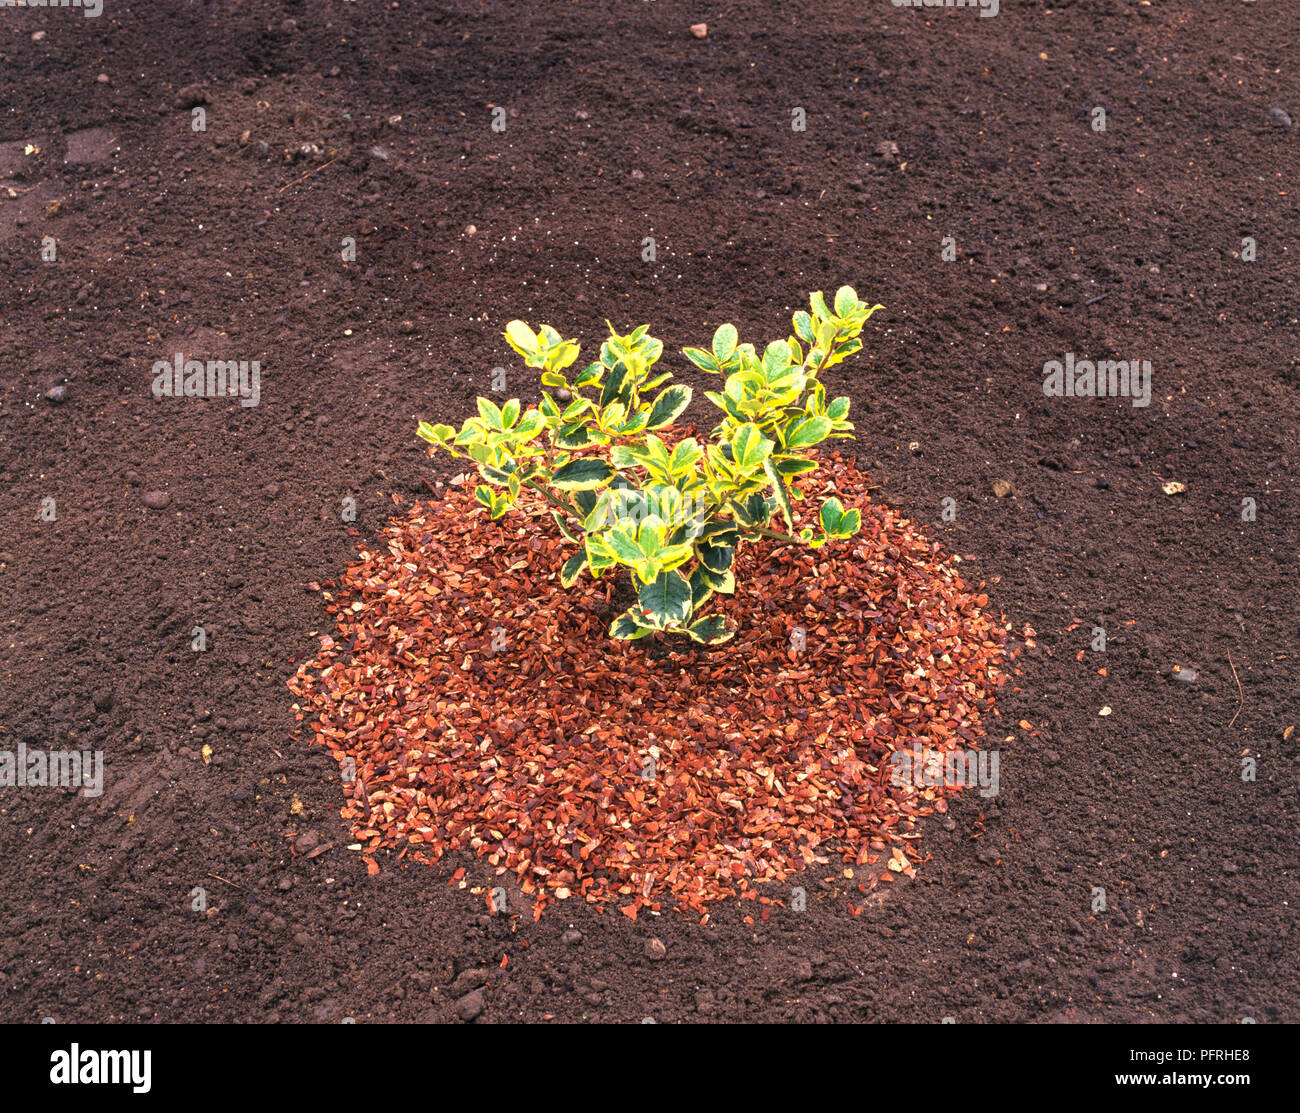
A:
(310, 173)
(1241, 698)
(236, 884)
(1094, 301)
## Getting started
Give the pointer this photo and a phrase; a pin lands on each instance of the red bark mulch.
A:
(644, 773)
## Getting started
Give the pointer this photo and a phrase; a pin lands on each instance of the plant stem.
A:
(547, 494)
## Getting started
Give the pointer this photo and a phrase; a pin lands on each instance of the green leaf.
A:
(701, 588)
(491, 416)
(793, 465)
(846, 301)
(626, 547)
(627, 629)
(832, 513)
(510, 413)
(724, 342)
(589, 374)
(573, 436)
(838, 410)
(808, 431)
(564, 527)
(521, 338)
(819, 309)
(776, 358)
(667, 598)
(714, 557)
(562, 355)
(531, 424)
(617, 387)
(752, 511)
(573, 568)
(749, 448)
(583, 474)
(434, 434)
(647, 570)
(669, 406)
(710, 630)
(722, 582)
(803, 328)
(782, 495)
(701, 359)
(586, 501)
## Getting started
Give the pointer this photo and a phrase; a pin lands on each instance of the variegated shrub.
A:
(671, 510)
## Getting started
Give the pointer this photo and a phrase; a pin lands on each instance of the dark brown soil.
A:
(226, 243)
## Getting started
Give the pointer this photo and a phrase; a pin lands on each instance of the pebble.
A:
(571, 937)
(38, 36)
(190, 96)
(468, 980)
(638, 176)
(1280, 117)
(470, 230)
(406, 327)
(699, 30)
(57, 394)
(157, 500)
(102, 78)
(1001, 488)
(469, 1006)
(655, 949)
(1185, 674)
(103, 699)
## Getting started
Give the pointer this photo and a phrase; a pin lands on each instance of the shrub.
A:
(669, 509)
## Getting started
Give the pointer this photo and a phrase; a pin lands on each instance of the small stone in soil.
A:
(469, 1006)
(157, 500)
(190, 96)
(655, 949)
(1280, 117)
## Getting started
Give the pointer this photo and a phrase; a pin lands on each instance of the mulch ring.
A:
(483, 706)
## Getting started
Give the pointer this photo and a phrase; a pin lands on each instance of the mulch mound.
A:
(483, 706)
